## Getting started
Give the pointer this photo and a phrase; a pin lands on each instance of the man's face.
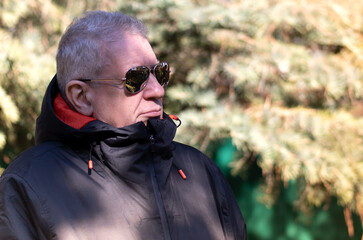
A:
(112, 103)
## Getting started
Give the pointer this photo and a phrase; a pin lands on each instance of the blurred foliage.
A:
(29, 35)
(282, 79)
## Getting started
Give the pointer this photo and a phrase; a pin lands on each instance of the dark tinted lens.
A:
(135, 78)
(161, 72)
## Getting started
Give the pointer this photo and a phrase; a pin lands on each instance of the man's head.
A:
(104, 45)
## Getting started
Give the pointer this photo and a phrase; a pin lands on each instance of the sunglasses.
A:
(137, 77)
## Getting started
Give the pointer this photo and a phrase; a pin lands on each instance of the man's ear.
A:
(78, 95)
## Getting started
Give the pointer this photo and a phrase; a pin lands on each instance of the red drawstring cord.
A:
(175, 118)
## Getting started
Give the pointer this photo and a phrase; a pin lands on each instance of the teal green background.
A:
(282, 221)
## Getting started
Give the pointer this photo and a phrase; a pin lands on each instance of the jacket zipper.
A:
(159, 200)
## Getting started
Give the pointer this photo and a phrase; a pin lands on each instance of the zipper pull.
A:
(90, 164)
(182, 174)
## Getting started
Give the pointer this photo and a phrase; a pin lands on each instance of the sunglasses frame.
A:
(151, 69)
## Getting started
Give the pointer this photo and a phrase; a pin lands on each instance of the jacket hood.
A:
(50, 128)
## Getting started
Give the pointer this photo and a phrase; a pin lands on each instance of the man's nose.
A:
(153, 88)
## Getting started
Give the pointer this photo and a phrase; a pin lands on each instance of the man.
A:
(105, 165)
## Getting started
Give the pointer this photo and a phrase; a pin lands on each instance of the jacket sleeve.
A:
(238, 225)
(16, 220)
(233, 223)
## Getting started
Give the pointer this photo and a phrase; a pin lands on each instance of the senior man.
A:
(105, 165)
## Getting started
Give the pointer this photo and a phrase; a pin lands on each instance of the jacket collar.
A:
(130, 154)
(69, 116)
(125, 150)
(49, 127)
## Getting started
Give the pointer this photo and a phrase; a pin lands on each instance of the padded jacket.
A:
(134, 190)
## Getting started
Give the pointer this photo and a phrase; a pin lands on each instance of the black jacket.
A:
(134, 190)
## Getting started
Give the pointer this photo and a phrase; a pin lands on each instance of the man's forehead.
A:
(129, 51)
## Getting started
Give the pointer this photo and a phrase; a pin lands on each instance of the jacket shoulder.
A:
(21, 209)
(32, 158)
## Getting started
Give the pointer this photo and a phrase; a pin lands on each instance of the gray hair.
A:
(82, 50)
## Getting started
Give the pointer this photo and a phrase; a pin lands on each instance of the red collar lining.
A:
(68, 116)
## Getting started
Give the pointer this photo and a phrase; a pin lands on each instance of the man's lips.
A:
(152, 114)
